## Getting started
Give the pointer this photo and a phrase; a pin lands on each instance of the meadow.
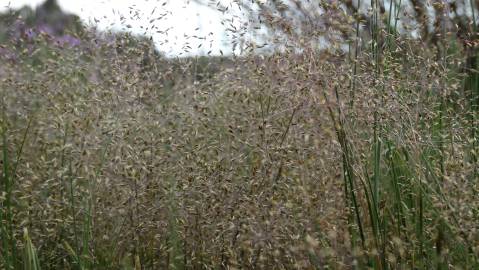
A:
(116, 157)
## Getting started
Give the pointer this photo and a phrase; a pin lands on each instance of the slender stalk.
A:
(347, 163)
(355, 61)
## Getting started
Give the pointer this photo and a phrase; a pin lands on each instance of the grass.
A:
(30, 258)
(289, 160)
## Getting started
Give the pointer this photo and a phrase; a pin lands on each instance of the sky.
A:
(175, 25)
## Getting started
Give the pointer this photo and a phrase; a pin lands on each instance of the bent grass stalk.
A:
(30, 257)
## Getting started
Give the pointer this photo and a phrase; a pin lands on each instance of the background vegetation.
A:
(342, 138)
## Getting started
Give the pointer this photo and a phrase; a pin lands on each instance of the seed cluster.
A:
(287, 156)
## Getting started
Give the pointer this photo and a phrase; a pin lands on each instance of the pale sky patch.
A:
(175, 25)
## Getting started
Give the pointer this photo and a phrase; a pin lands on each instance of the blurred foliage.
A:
(116, 157)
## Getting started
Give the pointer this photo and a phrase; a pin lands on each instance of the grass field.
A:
(114, 157)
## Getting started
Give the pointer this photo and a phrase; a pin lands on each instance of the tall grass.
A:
(30, 257)
(294, 159)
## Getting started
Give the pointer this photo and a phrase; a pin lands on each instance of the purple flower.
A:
(67, 40)
(7, 54)
(30, 34)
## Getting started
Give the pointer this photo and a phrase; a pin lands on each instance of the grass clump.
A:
(293, 156)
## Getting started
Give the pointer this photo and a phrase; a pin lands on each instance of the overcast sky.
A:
(175, 25)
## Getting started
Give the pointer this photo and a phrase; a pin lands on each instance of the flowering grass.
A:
(115, 157)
